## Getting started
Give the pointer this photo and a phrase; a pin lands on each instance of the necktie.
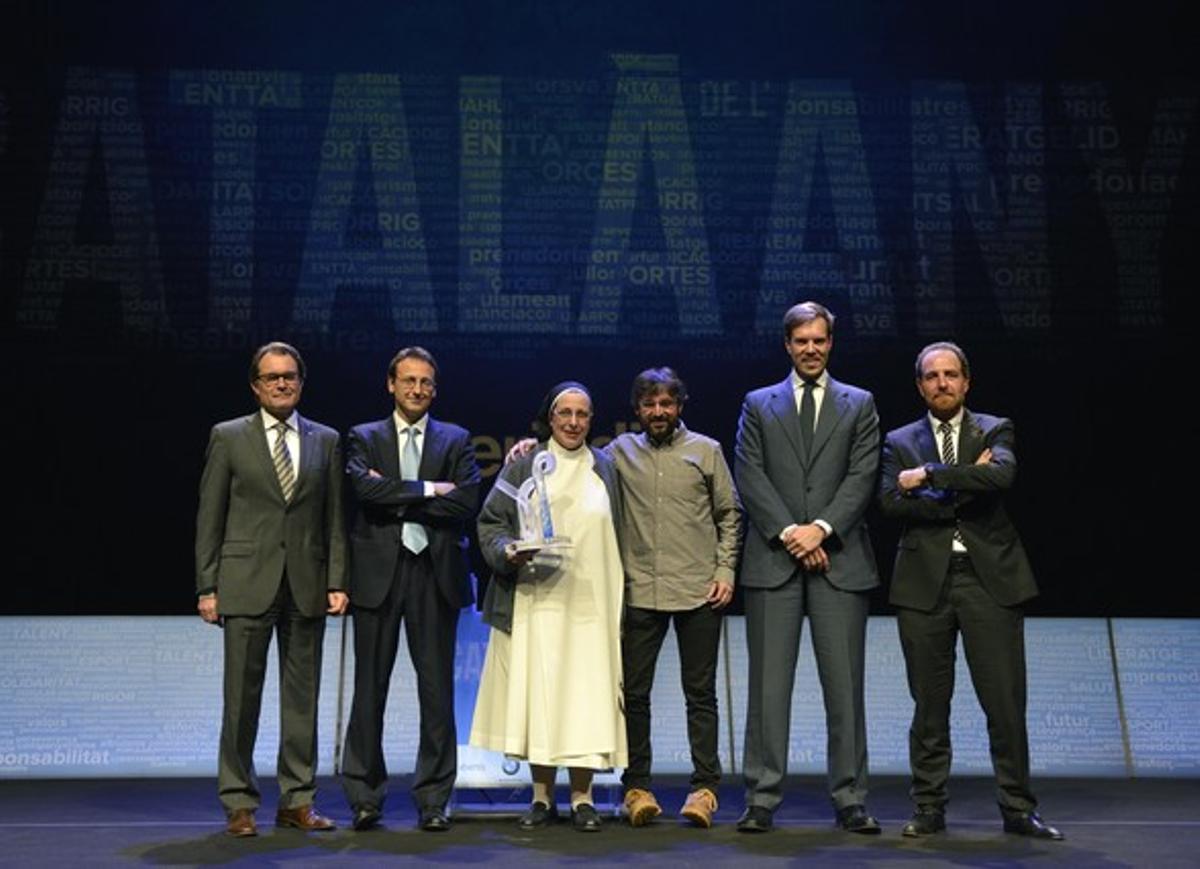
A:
(808, 415)
(283, 462)
(947, 432)
(414, 535)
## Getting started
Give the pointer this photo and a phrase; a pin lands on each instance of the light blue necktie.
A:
(414, 535)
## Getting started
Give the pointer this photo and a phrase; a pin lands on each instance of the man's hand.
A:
(985, 457)
(719, 594)
(338, 601)
(374, 474)
(912, 478)
(816, 561)
(443, 488)
(206, 605)
(803, 539)
(523, 447)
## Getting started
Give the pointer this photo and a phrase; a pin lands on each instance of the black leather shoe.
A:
(586, 819)
(1029, 824)
(755, 819)
(854, 819)
(434, 820)
(538, 815)
(924, 822)
(366, 817)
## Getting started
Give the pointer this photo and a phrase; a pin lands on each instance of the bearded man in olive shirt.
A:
(679, 544)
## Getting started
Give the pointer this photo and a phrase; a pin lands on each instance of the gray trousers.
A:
(247, 642)
(838, 621)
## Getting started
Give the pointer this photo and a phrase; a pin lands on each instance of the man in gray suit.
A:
(960, 567)
(805, 460)
(270, 558)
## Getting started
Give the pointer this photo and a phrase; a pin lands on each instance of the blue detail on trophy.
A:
(533, 508)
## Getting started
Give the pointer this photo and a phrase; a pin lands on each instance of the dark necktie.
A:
(283, 461)
(808, 415)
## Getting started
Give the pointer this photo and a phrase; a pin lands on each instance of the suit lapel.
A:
(431, 451)
(389, 446)
(308, 454)
(927, 449)
(970, 439)
(833, 408)
(257, 435)
(783, 405)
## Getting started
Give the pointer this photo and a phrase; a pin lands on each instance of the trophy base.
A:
(555, 542)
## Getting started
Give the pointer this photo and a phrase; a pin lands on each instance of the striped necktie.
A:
(283, 462)
(948, 456)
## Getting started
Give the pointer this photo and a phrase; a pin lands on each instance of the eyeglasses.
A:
(564, 414)
(410, 383)
(275, 377)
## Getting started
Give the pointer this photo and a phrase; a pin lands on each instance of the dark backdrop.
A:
(545, 190)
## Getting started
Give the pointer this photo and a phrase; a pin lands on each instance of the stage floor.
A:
(177, 822)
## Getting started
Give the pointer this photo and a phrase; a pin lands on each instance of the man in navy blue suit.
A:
(417, 487)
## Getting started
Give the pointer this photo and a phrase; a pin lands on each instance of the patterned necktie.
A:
(283, 462)
(414, 535)
(808, 414)
(948, 456)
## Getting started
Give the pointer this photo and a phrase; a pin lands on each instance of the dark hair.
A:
(541, 425)
(806, 312)
(413, 352)
(276, 347)
(652, 380)
(944, 345)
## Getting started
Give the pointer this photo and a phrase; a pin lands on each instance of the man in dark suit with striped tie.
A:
(960, 568)
(417, 487)
(270, 558)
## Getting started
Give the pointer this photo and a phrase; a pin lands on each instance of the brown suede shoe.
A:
(641, 807)
(241, 824)
(699, 807)
(303, 818)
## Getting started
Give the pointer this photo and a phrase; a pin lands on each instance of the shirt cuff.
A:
(786, 531)
(429, 493)
(723, 575)
(824, 526)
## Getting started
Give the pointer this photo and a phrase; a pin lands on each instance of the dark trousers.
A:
(430, 626)
(994, 640)
(698, 633)
(247, 642)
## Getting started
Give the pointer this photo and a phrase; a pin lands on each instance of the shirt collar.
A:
(955, 421)
(822, 381)
(403, 425)
(269, 422)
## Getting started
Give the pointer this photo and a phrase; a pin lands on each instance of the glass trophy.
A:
(533, 509)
